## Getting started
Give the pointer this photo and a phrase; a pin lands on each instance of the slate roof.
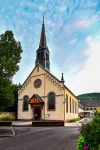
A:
(90, 103)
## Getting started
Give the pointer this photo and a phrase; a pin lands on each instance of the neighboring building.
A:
(90, 106)
(81, 108)
(42, 95)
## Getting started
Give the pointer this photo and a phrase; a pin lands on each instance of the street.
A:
(41, 138)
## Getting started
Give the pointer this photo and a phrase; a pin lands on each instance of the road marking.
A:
(22, 134)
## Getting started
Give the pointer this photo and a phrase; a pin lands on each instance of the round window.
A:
(37, 83)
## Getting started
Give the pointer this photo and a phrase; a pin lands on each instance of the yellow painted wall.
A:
(73, 99)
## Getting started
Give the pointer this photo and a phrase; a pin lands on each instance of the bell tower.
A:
(42, 54)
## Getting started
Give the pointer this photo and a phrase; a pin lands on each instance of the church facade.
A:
(42, 96)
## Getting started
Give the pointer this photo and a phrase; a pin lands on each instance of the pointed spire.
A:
(62, 78)
(43, 19)
(43, 36)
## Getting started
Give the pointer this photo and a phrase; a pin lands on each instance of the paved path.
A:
(41, 138)
(22, 123)
(29, 123)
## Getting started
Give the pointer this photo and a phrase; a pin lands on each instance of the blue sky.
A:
(73, 38)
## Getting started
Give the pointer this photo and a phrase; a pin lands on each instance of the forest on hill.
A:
(89, 96)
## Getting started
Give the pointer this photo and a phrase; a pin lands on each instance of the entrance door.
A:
(37, 113)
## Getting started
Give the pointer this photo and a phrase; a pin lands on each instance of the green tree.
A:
(15, 88)
(6, 94)
(10, 55)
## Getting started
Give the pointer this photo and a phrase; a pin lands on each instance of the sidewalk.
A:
(75, 124)
(72, 124)
(22, 123)
(29, 123)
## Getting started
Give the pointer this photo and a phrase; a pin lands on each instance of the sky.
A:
(73, 38)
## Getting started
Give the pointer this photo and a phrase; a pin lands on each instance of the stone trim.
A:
(46, 96)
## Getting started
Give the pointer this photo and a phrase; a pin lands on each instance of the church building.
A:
(42, 96)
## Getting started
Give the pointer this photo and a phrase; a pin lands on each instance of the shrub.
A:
(98, 109)
(99, 147)
(6, 118)
(74, 120)
(80, 143)
(91, 133)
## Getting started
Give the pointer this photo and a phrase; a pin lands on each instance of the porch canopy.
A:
(36, 101)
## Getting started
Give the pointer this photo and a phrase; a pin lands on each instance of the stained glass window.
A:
(51, 101)
(25, 102)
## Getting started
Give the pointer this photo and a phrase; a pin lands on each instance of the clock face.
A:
(37, 83)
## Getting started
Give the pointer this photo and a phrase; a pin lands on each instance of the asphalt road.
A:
(41, 138)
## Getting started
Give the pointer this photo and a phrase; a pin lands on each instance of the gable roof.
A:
(50, 75)
(36, 96)
(58, 81)
(27, 77)
(44, 70)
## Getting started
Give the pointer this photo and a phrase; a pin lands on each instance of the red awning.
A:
(36, 99)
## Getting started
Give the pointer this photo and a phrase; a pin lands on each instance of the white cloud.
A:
(88, 78)
(82, 23)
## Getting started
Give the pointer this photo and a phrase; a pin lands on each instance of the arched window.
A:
(51, 101)
(42, 54)
(25, 102)
(47, 57)
(70, 105)
(38, 55)
(66, 103)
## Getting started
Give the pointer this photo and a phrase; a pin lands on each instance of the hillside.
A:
(89, 96)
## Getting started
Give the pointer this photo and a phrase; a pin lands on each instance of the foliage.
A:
(89, 96)
(9, 98)
(13, 108)
(6, 94)
(80, 143)
(10, 51)
(91, 132)
(74, 120)
(10, 55)
(99, 147)
(7, 118)
(98, 109)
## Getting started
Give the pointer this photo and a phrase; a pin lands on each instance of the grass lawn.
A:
(74, 120)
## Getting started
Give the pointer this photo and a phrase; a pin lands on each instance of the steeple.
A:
(43, 36)
(42, 54)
